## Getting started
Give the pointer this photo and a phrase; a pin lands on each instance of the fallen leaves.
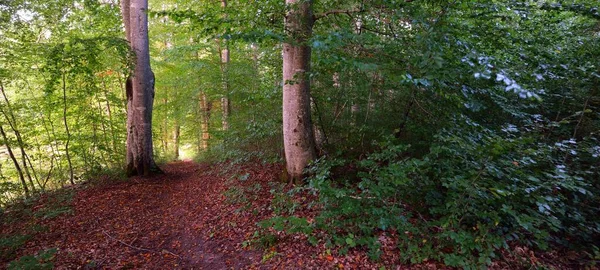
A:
(182, 220)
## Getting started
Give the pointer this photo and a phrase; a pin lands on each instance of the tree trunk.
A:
(12, 121)
(319, 133)
(71, 177)
(15, 162)
(204, 120)
(110, 120)
(224, 51)
(298, 139)
(140, 91)
(165, 127)
(176, 135)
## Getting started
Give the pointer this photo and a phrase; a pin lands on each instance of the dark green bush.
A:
(475, 192)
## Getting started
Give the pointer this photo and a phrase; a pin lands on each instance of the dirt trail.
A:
(195, 216)
(163, 222)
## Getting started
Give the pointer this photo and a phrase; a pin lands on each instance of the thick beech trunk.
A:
(140, 91)
(298, 139)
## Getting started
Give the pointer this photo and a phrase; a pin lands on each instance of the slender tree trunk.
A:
(12, 121)
(56, 146)
(257, 81)
(105, 138)
(225, 58)
(71, 177)
(110, 120)
(354, 111)
(140, 91)
(165, 127)
(176, 134)
(52, 145)
(205, 108)
(41, 162)
(298, 139)
(34, 173)
(319, 134)
(14, 159)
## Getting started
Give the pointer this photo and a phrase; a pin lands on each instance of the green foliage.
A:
(241, 195)
(283, 203)
(57, 203)
(261, 239)
(10, 244)
(291, 224)
(235, 195)
(41, 261)
(494, 135)
(495, 132)
(9, 192)
(48, 49)
(53, 212)
(473, 194)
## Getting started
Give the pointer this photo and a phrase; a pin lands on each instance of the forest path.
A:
(195, 216)
(177, 220)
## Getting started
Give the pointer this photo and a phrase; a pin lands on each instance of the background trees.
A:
(62, 91)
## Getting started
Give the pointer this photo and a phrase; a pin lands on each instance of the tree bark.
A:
(205, 108)
(110, 120)
(15, 162)
(140, 91)
(176, 134)
(299, 142)
(165, 127)
(12, 121)
(71, 176)
(225, 58)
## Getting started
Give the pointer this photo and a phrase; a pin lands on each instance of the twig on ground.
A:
(139, 248)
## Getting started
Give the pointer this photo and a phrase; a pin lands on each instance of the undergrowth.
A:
(33, 210)
(463, 203)
(41, 261)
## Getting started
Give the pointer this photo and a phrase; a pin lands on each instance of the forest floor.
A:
(195, 216)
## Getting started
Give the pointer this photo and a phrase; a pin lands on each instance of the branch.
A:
(336, 11)
(139, 248)
(421, 107)
(377, 31)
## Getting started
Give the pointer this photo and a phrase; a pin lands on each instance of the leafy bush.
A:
(475, 192)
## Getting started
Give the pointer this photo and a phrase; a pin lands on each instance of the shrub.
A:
(474, 193)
